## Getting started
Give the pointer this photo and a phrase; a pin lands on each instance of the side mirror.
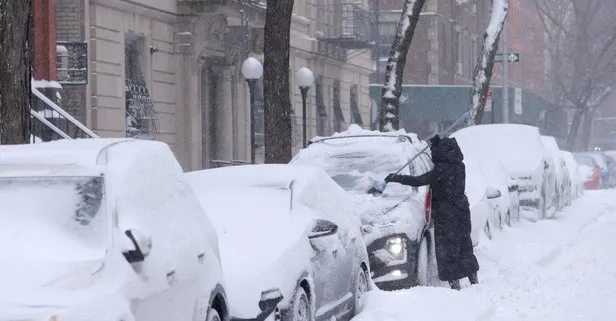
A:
(322, 228)
(269, 301)
(492, 193)
(142, 244)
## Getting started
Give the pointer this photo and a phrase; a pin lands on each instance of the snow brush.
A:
(379, 187)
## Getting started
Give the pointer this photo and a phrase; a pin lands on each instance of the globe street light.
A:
(252, 70)
(304, 78)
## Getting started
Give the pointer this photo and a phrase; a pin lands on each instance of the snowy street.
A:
(559, 269)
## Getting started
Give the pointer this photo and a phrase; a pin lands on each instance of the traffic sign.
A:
(511, 57)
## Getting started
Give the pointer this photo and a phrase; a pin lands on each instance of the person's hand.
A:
(434, 140)
(390, 178)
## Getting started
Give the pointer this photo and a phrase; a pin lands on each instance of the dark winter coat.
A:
(450, 210)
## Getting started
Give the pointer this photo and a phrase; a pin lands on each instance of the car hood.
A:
(29, 274)
(249, 274)
(384, 215)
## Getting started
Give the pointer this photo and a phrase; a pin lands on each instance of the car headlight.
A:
(395, 246)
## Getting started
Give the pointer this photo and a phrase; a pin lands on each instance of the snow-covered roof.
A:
(517, 147)
(356, 130)
(82, 152)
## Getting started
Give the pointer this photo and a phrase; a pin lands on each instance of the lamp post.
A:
(304, 78)
(252, 70)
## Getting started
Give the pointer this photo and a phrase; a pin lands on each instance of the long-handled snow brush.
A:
(379, 187)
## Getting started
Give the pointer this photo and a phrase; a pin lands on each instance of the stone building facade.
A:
(175, 66)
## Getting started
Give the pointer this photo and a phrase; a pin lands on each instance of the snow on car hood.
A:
(263, 245)
(517, 147)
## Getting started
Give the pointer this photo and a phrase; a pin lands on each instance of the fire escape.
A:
(344, 28)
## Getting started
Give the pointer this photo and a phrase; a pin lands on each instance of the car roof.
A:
(80, 152)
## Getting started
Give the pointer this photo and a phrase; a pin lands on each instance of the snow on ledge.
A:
(46, 84)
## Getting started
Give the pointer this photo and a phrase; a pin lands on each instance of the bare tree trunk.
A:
(482, 75)
(278, 133)
(575, 127)
(586, 130)
(15, 70)
(390, 103)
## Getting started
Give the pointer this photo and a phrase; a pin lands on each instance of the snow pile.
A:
(548, 270)
(517, 147)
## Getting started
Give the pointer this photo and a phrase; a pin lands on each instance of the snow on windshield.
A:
(66, 221)
(356, 163)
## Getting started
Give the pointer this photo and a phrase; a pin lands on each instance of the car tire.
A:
(213, 315)
(299, 309)
(361, 287)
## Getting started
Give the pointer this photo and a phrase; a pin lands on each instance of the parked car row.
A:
(113, 229)
(599, 169)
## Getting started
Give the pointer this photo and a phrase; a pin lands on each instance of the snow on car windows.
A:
(67, 218)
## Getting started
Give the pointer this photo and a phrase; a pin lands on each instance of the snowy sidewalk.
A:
(559, 269)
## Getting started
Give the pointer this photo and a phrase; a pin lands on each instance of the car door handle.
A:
(354, 239)
(335, 253)
(171, 276)
(201, 258)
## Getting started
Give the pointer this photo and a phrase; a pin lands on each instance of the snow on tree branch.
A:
(392, 89)
(482, 75)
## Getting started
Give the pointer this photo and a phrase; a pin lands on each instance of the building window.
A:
(321, 114)
(338, 115)
(259, 114)
(355, 113)
(141, 120)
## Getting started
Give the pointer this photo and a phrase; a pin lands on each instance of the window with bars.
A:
(141, 119)
(355, 113)
(321, 108)
(339, 121)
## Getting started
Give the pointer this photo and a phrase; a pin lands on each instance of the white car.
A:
(563, 178)
(520, 150)
(576, 174)
(287, 235)
(397, 224)
(492, 197)
(104, 229)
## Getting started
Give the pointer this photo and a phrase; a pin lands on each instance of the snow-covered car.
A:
(397, 224)
(286, 232)
(520, 150)
(606, 172)
(498, 182)
(104, 229)
(563, 178)
(589, 170)
(575, 172)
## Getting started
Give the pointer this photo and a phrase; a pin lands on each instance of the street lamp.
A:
(252, 70)
(304, 78)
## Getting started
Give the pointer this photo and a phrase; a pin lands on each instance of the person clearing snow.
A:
(450, 211)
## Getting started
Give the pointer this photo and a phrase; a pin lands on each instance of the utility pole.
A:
(505, 75)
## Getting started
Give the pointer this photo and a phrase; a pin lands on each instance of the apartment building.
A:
(171, 70)
(446, 41)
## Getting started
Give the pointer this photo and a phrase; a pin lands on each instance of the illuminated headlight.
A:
(395, 246)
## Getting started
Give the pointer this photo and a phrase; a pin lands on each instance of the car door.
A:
(161, 207)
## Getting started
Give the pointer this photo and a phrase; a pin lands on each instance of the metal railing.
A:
(51, 122)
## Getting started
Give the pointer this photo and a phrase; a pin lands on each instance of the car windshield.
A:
(55, 218)
(584, 160)
(356, 168)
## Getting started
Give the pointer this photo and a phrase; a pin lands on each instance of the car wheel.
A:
(423, 266)
(213, 315)
(487, 230)
(299, 310)
(542, 205)
(361, 287)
